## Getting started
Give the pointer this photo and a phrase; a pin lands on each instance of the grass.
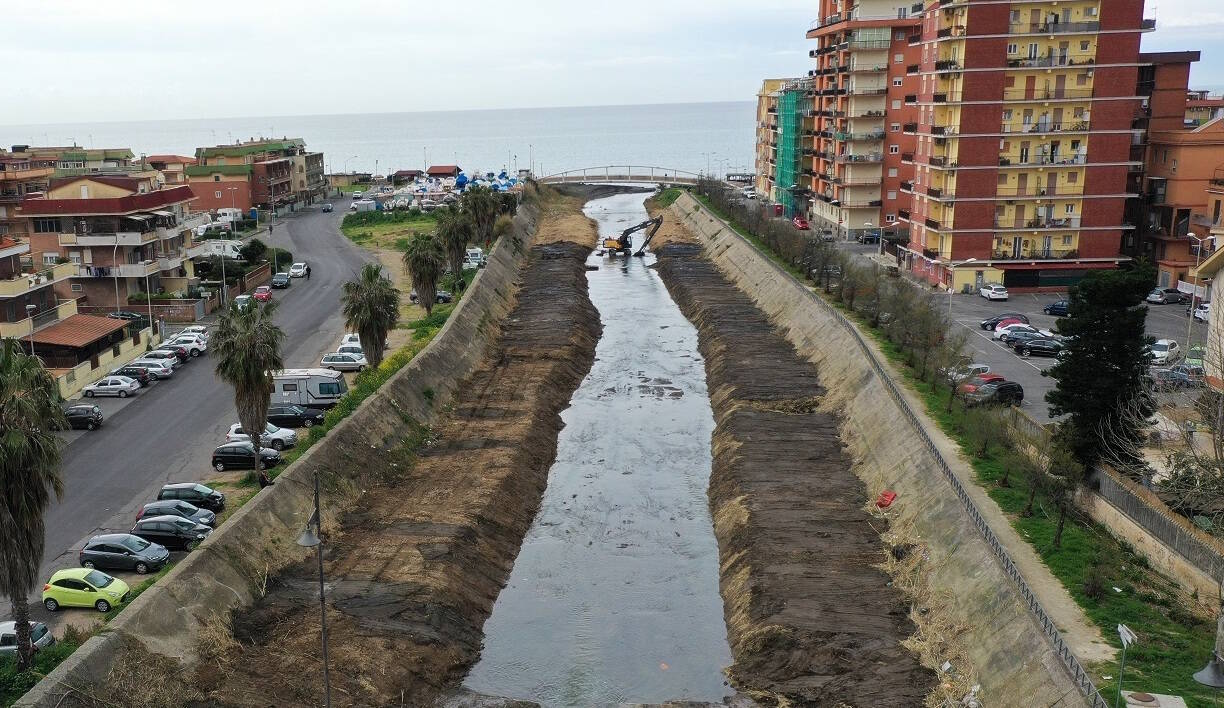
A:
(667, 197)
(391, 234)
(13, 685)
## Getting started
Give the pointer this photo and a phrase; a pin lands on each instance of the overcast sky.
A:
(106, 60)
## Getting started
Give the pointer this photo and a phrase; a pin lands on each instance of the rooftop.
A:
(77, 331)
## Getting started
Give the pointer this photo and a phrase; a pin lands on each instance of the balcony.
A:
(1040, 94)
(937, 161)
(1056, 28)
(856, 66)
(947, 32)
(1071, 222)
(947, 65)
(911, 69)
(1043, 127)
(861, 203)
(866, 114)
(872, 136)
(907, 186)
(907, 157)
(1043, 160)
(21, 328)
(122, 238)
(169, 262)
(903, 213)
(195, 221)
(1036, 254)
(125, 270)
(1049, 60)
(869, 43)
(24, 283)
(932, 224)
(909, 128)
(873, 91)
(869, 157)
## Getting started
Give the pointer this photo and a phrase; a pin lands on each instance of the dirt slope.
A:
(811, 619)
(413, 572)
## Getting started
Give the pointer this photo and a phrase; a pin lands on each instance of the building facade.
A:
(1024, 140)
(766, 136)
(257, 173)
(20, 174)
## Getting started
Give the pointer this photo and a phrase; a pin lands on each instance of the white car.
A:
(273, 437)
(165, 355)
(297, 270)
(159, 368)
(993, 292)
(40, 637)
(343, 362)
(1202, 312)
(1004, 333)
(194, 344)
(242, 302)
(198, 330)
(357, 195)
(120, 386)
(1164, 351)
(354, 349)
(350, 338)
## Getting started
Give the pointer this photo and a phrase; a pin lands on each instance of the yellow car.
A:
(83, 587)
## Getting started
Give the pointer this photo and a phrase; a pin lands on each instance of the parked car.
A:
(241, 456)
(194, 344)
(40, 638)
(800, 223)
(281, 280)
(1042, 346)
(292, 416)
(83, 587)
(134, 317)
(965, 371)
(159, 368)
(1192, 376)
(120, 386)
(993, 292)
(441, 297)
(1002, 332)
(194, 329)
(297, 270)
(1201, 312)
(1165, 380)
(357, 194)
(343, 362)
(201, 495)
(992, 322)
(1000, 392)
(177, 507)
(1195, 355)
(350, 338)
(273, 437)
(1017, 338)
(165, 355)
(1164, 351)
(83, 416)
(327, 208)
(141, 374)
(263, 293)
(1058, 308)
(180, 351)
(123, 551)
(350, 349)
(173, 532)
(242, 302)
(977, 381)
(1167, 296)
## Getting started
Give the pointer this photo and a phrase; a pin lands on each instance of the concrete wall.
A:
(1009, 651)
(230, 569)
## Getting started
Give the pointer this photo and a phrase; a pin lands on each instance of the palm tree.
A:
(247, 347)
(483, 205)
(424, 259)
(29, 472)
(455, 228)
(370, 305)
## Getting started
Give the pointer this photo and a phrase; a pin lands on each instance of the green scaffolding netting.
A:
(792, 104)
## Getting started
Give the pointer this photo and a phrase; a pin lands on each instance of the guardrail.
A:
(1077, 672)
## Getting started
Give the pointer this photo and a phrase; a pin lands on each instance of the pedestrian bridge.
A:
(622, 173)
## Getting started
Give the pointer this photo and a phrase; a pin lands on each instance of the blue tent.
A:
(461, 181)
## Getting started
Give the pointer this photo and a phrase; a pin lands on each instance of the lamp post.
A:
(115, 266)
(233, 225)
(149, 297)
(313, 538)
(1198, 260)
(952, 266)
(30, 310)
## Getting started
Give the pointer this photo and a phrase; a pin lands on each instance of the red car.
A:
(263, 293)
(800, 223)
(971, 385)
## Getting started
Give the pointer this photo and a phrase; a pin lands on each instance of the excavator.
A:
(623, 244)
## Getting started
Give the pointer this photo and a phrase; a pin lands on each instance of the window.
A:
(896, 104)
(47, 226)
(50, 258)
(1081, 80)
(1164, 160)
(1084, 46)
(217, 194)
(1072, 177)
(329, 389)
(890, 218)
(899, 36)
(898, 58)
(892, 172)
(892, 195)
(1174, 168)
(77, 287)
(894, 149)
(1069, 209)
(1015, 16)
(289, 387)
(1012, 49)
(1066, 240)
(895, 127)
(897, 81)
(216, 178)
(1007, 114)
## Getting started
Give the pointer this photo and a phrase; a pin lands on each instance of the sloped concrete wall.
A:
(229, 570)
(1011, 656)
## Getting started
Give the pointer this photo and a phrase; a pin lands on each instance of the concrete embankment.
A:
(233, 568)
(1003, 646)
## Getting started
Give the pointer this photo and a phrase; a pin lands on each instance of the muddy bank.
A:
(413, 570)
(811, 619)
(587, 192)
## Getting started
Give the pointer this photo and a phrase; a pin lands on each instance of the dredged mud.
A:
(415, 569)
(810, 618)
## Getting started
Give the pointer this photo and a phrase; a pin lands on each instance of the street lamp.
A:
(224, 246)
(30, 310)
(1198, 260)
(149, 296)
(115, 267)
(346, 161)
(952, 266)
(313, 538)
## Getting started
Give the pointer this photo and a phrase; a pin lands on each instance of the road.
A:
(166, 432)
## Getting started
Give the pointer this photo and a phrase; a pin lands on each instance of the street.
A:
(167, 431)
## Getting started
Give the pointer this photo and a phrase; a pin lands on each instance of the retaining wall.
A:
(1015, 649)
(229, 570)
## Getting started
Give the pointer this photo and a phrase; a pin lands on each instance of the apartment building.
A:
(172, 167)
(767, 136)
(1024, 140)
(121, 235)
(20, 174)
(257, 173)
(1202, 107)
(855, 142)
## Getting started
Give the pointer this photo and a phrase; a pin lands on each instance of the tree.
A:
(370, 305)
(455, 230)
(29, 473)
(1103, 369)
(247, 349)
(482, 204)
(252, 252)
(1063, 475)
(424, 259)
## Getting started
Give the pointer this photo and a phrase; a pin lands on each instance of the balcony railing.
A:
(21, 328)
(874, 135)
(1044, 127)
(873, 91)
(1043, 160)
(861, 203)
(122, 238)
(1071, 222)
(124, 270)
(1033, 192)
(25, 282)
(869, 157)
(1036, 254)
(1050, 60)
(1019, 93)
(856, 66)
(1055, 28)
(907, 186)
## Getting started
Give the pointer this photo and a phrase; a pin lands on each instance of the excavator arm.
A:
(624, 243)
(655, 224)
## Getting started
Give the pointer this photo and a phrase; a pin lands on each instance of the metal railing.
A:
(1076, 671)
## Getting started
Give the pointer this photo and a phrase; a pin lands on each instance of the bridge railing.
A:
(623, 173)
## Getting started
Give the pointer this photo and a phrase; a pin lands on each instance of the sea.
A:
(711, 138)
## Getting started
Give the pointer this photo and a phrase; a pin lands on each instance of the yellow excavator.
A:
(623, 244)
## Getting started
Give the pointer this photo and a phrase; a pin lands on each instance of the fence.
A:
(170, 310)
(1076, 671)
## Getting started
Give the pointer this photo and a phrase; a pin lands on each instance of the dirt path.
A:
(811, 619)
(414, 571)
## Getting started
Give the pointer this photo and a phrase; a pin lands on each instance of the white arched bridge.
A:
(622, 173)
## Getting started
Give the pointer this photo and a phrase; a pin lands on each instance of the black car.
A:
(84, 416)
(289, 416)
(442, 297)
(281, 280)
(178, 507)
(996, 392)
(327, 207)
(241, 456)
(123, 551)
(171, 531)
(1042, 346)
(1015, 339)
(1166, 380)
(195, 493)
(139, 373)
(1058, 308)
(141, 321)
(993, 322)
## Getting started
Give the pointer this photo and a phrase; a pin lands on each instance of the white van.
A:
(222, 247)
(313, 388)
(474, 258)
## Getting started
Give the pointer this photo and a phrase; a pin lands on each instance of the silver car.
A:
(343, 362)
(40, 637)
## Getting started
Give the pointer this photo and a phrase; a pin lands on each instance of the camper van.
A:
(221, 247)
(312, 388)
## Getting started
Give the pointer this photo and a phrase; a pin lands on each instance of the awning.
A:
(164, 213)
(138, 217)
(1046, 265)
(77, 331)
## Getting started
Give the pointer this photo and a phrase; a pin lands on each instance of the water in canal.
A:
(614, 595)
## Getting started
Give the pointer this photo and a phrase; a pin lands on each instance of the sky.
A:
(114, 60)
